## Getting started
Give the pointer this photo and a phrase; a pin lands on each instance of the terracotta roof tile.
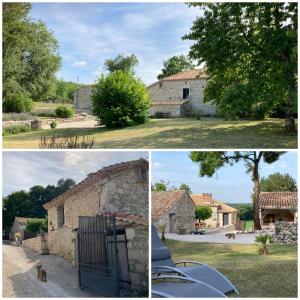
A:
(188, 74)
(207, 200)
(23, 220)
(95, 177)
(278, 199)
(162, 201)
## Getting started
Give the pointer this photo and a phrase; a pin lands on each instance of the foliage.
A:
(263, 240)
(16, 129)
(121, 63)
(37, 226)
(210, 162)
(161, 186)
(66, 142)
(203, 213)
(30, 204)
(245, 210)
(64, 90)
(278, 183)
(250, 52)
(53, 124)
(17, 104)
(30, 54)
(174, 65)
(64, 112)
(120, 100)
(185, 187)
(161, 115)
(16, 117)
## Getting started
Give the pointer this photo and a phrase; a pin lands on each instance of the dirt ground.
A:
(20, 276)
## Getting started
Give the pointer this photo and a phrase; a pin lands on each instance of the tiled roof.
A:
(95, 177)
(126, 217)
(23, 221)
(207, 200)
(168, 102)
(162, 201)
(278, 199)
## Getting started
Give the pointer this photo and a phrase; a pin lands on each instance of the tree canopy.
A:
(203, 213)
(30, 53)
(30, 204)
(122, 63)
(278, 183)
(174, 65)
(250, 52)
(185, 187)
(210, 162)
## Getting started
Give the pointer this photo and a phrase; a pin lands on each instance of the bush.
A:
(16, 117)
(162, 115)
(37, 226)
(16, 129)
(64, 112)
(66, 142)
(120, 100)
(203, 213)
(53, 124)
(17, 104)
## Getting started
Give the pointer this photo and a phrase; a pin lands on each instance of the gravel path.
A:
(20, 278)
(217, 238)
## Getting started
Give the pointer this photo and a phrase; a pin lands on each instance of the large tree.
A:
(174, 65)
(30, 53)
(210, 162)
(278, 183)
(250, 51)
(122, 63)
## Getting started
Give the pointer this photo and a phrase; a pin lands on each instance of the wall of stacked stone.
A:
(82, 98)
(37, 244)
(286, 233)
(174, 111)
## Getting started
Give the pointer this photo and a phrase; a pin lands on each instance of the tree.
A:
(186, 188)
(37, 226)
(210, 162)
(120, 100)
(203, 213)
(250, 52)
(159, 186)
(278, 183)
(122, 63)
(30, 53)
(245, 210)
(174, 65)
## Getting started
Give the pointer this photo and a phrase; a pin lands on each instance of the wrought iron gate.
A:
(102, 255)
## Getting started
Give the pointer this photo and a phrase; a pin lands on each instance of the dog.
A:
(41, 273)
(230, 235)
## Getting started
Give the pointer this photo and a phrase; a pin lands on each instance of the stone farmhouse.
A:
(275, 207)
(172, 96)
(18, 229)
(223, 214)
(174, 209)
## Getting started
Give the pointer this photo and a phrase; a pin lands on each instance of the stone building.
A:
(222, 214)
(173, 96)
(277, 207)
(175, 209)
(121, 190)
(18, 229)
(180, 94)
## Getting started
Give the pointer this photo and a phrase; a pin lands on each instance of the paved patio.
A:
(217, 238)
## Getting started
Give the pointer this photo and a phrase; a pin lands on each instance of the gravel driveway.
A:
(216, 238)
(20, 278)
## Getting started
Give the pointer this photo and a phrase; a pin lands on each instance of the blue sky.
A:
(90, 33)
(22, 170)
(229, 184)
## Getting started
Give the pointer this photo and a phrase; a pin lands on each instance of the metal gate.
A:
(102, 256)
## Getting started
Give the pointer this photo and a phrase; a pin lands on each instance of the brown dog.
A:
(230, 235)
(41, 273)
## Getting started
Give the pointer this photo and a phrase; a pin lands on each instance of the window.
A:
(60, 215)
(142, 174)
(186, 93)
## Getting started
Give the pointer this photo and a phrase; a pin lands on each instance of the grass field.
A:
(40, 107)
(176, 133)
(253, 275)
(249, 225)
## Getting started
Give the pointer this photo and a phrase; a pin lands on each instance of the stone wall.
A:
(184, 211)
(172, 90)
(82, 98)
(37, 244)
(286, 233)
(173, 110)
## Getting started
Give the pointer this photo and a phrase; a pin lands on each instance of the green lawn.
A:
(177, 133)
(253, 275)
(249, 225)
(40, 107)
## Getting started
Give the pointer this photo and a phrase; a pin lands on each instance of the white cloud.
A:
(79, 63)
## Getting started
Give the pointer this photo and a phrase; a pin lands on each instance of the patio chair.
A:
(162, 263)
(182, 287)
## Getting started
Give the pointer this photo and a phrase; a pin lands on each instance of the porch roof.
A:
(278, 200)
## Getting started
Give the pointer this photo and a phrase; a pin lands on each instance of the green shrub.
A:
(17, 104)
(64, 112)
(161, 115)
(120, 100)
(53, 124)
(203, 213)
(263, 240)
(37, 226)
(46, 114)
(66, 142)
(16, 129)
(16, 117)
